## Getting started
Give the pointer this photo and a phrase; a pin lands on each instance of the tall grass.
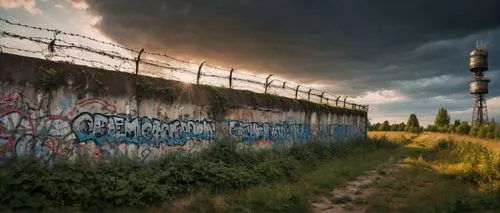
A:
(442, 173)
(477, 163)
(29, 184)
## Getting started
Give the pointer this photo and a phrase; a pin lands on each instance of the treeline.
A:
(442, 123)
(412, 125)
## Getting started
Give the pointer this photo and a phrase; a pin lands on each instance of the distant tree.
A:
(474, 130)
(394, 127)
(457, 122)
(491, 134)
(442, 128)
(463, 128)
(430, 128)
(401, 127)
(376, 127)
(442, 118)
(497, 131)
(385, 126)
(482, 132)
(451, 128)
(413, 125)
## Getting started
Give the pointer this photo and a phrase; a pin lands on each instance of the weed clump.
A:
(480, 164)
(48, 78)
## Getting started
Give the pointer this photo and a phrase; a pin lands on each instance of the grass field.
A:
(432, 137)
(440, 173)
(429, 172)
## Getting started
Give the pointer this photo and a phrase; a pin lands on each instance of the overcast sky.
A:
(400, 57)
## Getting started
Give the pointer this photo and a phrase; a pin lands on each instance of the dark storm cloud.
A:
(364, 44)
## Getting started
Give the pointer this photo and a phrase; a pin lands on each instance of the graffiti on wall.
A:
(266, 132)
(28, 128)
(345, 132)
(65, 126)
(251, 132)
(140, 130)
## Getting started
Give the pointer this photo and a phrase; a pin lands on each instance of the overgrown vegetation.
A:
(29, 184)
(412, 126)
(48, 78)
(146, 89)
(441, 174)
(436, 175)
(220, 106)
(442, 123)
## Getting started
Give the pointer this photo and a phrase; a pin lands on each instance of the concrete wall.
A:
(106, 114)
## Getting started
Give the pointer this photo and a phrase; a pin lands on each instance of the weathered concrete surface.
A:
(58, 110)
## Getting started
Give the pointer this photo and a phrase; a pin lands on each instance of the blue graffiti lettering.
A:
(102, 128)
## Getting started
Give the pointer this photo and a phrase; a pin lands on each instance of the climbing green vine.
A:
(48, 78)
(220, 106)
(146, 89)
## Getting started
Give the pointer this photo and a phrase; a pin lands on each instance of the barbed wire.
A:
(68, 34)
(169, 57)
(18, 49)
(56, 47)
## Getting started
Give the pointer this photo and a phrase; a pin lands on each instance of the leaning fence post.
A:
(345, 100)
(231, 78)
(270, 82)
(284, 84)
(137, 61)
(309, 95)
(199, 73)
(267, 84)
(297, 91)
(321, 98)
(337, 101)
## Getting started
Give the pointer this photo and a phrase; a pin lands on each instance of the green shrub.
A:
(463, 128)
(122, 182)
(480, 163)
(474, 130)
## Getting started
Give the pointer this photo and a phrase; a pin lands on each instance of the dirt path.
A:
(351, 198)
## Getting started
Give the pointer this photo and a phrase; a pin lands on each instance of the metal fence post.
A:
(137, 61)
(231, 78)
(337, 101)
(199, 73)
(321, 98)
(345, 100)
(284, 84)
(309, 95)
(267, 84)
(297, 91)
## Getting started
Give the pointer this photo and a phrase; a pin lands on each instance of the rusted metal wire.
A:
(60, 48)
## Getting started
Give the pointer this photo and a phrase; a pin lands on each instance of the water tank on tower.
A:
(478, 58)
(479, 86)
